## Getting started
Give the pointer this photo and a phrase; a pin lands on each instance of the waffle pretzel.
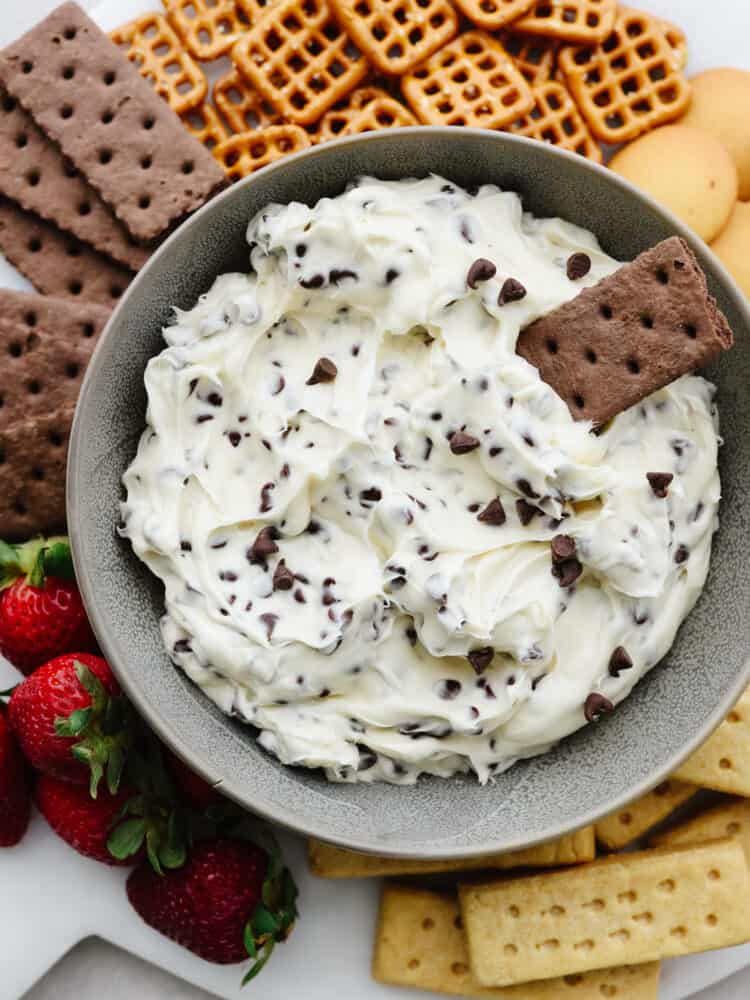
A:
(534, 55)
(570, 20)
(629, 84)
(242, 154)
(242, 107)
(151, 44)
(300, 59)
(555, 119)
(208, 28)
(493, 14)
(677, 42)
(396, 35)
(205, 125)
(470, 81)
(367, 109)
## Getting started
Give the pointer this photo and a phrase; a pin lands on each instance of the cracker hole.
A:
(22, 140)
(627, 897)
(30, 318)
(678, 932)
(414, 963)
(428, 923)
(574, 979)
(459, 968)
(622, 935)
(644, 918)
(68, 73)
(606, 311)
(55, 439)
(597, 905)
(626, 818)
(115, 291)
(75, 287)
(513, 911)
(647, 321)
(586, 945)
(712, 920)
(34, 387)
(34, 244)
(551, 346)
(148, 122)
(458, 923)
(105, 156)
(510, 949)
(27, 67)
(633, 366)
(66, 111)
(579, 401)
(690, 330)
(146, 163)
(734, 717)
(84, 208)
(144, 201)
(662, 277)
(668, 885)
(33, 177)
(19, 508)
(107, 117)
(188, 166)
(70, 34)
(72, 370)
(725, 764)
(15, 349)
(551, 944)
(37, 473)
(591, 356)
(109, 78)
(88, 329)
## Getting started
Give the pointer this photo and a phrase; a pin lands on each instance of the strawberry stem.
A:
(272, 919)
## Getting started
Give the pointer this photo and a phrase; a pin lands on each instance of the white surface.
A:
(51, 899)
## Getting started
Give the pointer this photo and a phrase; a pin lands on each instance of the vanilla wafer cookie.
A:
(534, 55)
(570, 20)
(493, 14)
(419, 943)
(328, 861)
(151, 44)
(729, 819)
(396, 35)
(55, 262)
(87, 97)
(205, 125)
(628, 84)
(628, 824)
(241, 106)
(36, 175)
(556, 120)
(723, 762)
(470, 81)
(242, 154)
(300, 59)
(208, 28)
(366, 109)
(624, 909)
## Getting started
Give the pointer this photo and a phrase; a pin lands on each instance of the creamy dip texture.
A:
(349, 483)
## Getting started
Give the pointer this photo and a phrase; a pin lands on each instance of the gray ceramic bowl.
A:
(596, 770)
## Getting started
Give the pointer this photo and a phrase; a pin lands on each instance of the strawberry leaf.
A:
(152, 849)
(173, 853)
(8, 691)
(127, 838)
(75, 724)
(58, 561)
(264, 922)
(91, 683)
(10, 565)
(249, 941)
(115, 765)
(36, 576)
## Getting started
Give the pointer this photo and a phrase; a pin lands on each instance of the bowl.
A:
(595, 771)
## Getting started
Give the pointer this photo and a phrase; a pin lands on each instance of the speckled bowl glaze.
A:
(593, 772)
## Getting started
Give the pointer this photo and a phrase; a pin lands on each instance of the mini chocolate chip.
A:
(462, 444)
(448, 689)
(596, 705)
(578, 266)
(182, 646)
(512, 291)
(682, 554)
(526, 511)
(567, 572)
(372, 494)
(234, 438)
(427, 449)
(481, 658)
(186, 546)
(315, 281)
(299, 597)
(263, 546)
(269, 620)
(283, 578)
(619, 660)
(338, 274)
(193, 384)
(493, 513)
(659, 482)
(324, 371)
(301, 249)
(390, 275)
(214, 399)
(411, 635)
(563, 547)
(265, 497)
(525, 487)
(481, 270)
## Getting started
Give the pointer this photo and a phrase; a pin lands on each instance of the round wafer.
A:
(731, 247)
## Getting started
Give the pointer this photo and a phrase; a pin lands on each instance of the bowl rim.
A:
(86, 575)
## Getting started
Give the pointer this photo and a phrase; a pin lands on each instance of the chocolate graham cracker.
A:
(86, 96)
(55, 262)
(631, 334)
(34, 173)
(46, 343)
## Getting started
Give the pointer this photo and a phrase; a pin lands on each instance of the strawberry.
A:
(15, 787)
(191, 788)
(71, 720)
(41, 611)
(229, 900)
(84, 823)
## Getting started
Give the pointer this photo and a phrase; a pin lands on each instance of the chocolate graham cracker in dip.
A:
(385, 541)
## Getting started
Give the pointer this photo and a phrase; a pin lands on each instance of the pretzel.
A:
(493, 14)
(535, 56)
(677, 41)
(242, 154)
(205, 125)
(242, 107)
(365, 110)
(470, 81)
(300, 59)
(570, 20)
(150, 43)
(556, 119)
(208, 28)
(396, 35)
(629, 84)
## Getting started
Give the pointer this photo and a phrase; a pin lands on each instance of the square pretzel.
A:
(243, 154)
(396, 35)
(627, 84)
(493, 14)
(151, 44)
(300, 59)
(534, 55)
(470, 81)
(367, 109)
(242, 107)
(677, 41)
(208, 28)
(555, 119)
(204, 124)
(570, 20)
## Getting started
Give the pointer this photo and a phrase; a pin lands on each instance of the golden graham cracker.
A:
(626, 825)
(420, 943)
(723, 762)
(730, 819)
(327, 861)
(625, 909)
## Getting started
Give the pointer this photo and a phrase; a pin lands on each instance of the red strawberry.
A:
(84, 823)
(70, 720)
(41, 612)
(193, 790)
(15, 787)
(228, 901)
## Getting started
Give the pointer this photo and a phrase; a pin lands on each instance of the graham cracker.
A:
(723, 762)
(626, 825)
(730, 819)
